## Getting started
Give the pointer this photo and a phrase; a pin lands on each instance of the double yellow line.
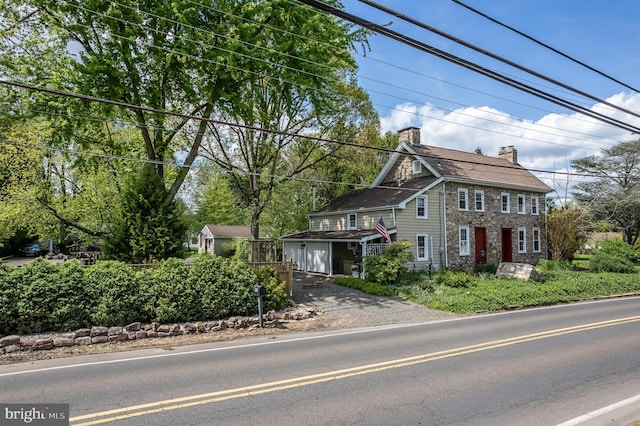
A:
(242, 392)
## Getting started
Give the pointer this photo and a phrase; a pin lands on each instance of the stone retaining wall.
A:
(137, 331)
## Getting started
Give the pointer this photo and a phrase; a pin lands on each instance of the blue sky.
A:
(459, 109)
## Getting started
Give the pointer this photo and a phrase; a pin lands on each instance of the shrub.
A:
(166, 294)
(453, 278)
(223, 287)
(367, 287)
(603, 262)
(276, 297)
(486, 269)
(8, 300)
(386, 267)
(553, 265)
(72, 308)
(618, 248)
(114, 294)
(37, 294)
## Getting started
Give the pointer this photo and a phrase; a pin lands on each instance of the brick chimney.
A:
(509, 153)
(410, 135)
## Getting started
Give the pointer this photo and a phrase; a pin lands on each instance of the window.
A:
(535, 206)
(536, 240)
(463, 203)
(417, 167)
(522, 240)
(479, 200)
(521, 204)
(421, 207)
(463, 239)
(505, 202)
(352, 221)
(422, 247)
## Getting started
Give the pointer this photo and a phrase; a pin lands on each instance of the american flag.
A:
(382, 230)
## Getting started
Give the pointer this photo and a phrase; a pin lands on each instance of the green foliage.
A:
(151, 226)
(224, 287)
(455, 279)
(115, 294)
(566, 230)
(604, 262)
(386, 267)
(368, 287)
(165, 292)
(276, 297)
(9, 297)
(617, 247)
(553, 265)
(72, 308)
(36, 285)
(614, 196)
(487, 268)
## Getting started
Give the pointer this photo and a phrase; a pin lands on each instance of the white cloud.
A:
(550, 143)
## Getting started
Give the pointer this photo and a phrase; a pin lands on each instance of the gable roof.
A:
(228, 231)
(377, 197)
(465, 166)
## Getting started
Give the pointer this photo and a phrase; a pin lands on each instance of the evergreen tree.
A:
(151, 225)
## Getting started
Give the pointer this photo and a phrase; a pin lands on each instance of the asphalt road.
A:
(536, 367)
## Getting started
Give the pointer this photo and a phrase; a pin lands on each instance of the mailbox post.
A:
(259, 291)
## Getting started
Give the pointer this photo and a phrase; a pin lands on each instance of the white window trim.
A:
(426, 247)
(475, 206)
(522, 198)
(508, 209)
(522, 248)
(533, 240)
(416, 167)
(464, 191)
(426, 207)
(355, 215)
(535, 202)
(465, 250)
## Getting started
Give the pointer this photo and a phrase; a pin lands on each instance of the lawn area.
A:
(461, 292)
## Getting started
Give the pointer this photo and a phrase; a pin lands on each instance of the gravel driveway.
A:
(345, 307)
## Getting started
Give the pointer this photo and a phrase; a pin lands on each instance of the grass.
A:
(484, 293)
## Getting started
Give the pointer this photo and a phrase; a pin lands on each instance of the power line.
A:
(493, 55)
(255, 58)
(484, 15)
(468, 64)
(242, 126)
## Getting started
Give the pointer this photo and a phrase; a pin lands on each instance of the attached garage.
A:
(318, 256)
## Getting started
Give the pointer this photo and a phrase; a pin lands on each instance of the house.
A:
(458, 209)
(214, 238)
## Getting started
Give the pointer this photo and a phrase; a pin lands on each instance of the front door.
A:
(507, 248)
(481, 246)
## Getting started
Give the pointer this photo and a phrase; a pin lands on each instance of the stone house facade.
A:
(458, 209)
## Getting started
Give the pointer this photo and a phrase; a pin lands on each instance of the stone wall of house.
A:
(137, 331)
(403, 170)
(493, 220)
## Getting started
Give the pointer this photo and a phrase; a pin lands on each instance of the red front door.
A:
(507, 248)
(481, 245)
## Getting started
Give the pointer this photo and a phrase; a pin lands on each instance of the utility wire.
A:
(468, 64)
(246, 127)
(234, 52)
(484, 15)
(494, 56)
(263, 60)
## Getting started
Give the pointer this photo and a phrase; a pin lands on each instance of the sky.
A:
(460, 109)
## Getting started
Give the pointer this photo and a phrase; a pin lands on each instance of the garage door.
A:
(296, 253)
(318, 257)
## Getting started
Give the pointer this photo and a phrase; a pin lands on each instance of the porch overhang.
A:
(354, 236)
